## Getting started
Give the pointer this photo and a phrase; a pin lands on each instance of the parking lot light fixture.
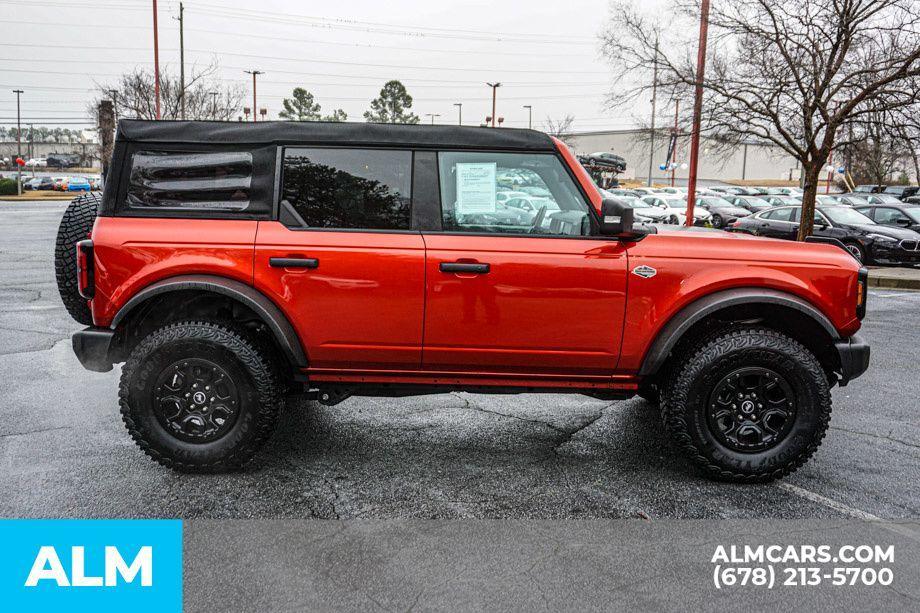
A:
(18, 93)
(459, 106)
(254, 74)
(697, 110)
(494, 87)
(529, 116)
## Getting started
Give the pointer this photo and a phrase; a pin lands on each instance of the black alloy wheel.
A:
(751, 409)
(196, 400)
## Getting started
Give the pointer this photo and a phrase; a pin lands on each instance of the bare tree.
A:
(205, 96)
(878, 147)
(788, 72)
(560, 128)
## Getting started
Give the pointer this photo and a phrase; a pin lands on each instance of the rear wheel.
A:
(76, 225)
(199, 396)
(750, 405)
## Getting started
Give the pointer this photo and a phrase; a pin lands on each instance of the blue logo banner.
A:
(91, 565)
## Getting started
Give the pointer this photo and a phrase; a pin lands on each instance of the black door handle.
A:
(293, 262)
(464, 267)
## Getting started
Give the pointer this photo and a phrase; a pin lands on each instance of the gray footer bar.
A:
(507, 565)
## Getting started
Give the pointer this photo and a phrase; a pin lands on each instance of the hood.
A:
(735, 211)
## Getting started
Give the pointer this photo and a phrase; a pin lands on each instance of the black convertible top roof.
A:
(329, 133)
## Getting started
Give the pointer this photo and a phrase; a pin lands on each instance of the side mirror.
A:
(905, 223)
(617, 220)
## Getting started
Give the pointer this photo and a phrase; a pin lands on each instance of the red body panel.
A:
(362, 307)
(548, 305)
(691, 265)
(553, 312)
(133, 252)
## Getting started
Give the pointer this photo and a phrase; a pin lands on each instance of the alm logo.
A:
(48, 567)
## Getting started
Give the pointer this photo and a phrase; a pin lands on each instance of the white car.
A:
(37, 163)
(676, 208)
(642, 211)
(503, 197)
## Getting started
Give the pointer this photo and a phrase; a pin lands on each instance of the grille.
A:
(909, 245)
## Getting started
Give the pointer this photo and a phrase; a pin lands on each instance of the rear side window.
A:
(361, 189)
(190, 181)
(779, 215)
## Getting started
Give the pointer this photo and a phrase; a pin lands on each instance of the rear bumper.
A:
(92, 348)
(854, 358)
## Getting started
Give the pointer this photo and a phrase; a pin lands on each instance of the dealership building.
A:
(752, 161)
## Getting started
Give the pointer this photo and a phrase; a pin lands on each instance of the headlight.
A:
(881, 238)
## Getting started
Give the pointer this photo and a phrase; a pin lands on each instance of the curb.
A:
(892, 281)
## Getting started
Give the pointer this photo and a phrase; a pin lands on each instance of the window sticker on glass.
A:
(475, 188)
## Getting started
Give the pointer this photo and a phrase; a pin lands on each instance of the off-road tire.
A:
(76, 225)
(249, 367)
(685, 402)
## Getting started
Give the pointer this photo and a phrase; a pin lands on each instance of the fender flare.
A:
(680, 323)
(267, 310)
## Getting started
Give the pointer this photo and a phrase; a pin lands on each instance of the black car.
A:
(902, 191)
(754, 204)
(869, 189)
(869, 242)
(723, 211)
(897, 215)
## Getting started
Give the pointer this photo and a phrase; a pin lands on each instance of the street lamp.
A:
(459, 106)
(214, 96)
(18, 92)
(432, 115)
(254, 74)
(494, 87)
(529, 116)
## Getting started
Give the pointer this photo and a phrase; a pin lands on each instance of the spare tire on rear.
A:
(76, 226)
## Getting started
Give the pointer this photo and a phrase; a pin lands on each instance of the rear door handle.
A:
(293, 262)
(464, 267)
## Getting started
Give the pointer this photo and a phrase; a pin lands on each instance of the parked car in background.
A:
(676, 209)
(503, 197)
(754, 204)
(641, 210)
(867, 241)
(96, 183)
(60, 184)
(40, 184)
(902, 191)
(619, 191)
(781, 200)
(63, 160)
(78, 184)
(723, 212)
(897, 215)
(881, 199)
(852, 199)
(829, 199)
(869, 189)
(784, 191)
(37, 163)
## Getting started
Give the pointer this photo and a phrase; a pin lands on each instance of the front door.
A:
(343, 262)
(532, 295)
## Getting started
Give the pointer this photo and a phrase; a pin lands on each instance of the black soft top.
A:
(331, 133)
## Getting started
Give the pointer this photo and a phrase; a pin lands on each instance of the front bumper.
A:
(92, 348)
(854, 358)
(894, 253)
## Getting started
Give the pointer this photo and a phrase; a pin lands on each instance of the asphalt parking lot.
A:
(65, 453)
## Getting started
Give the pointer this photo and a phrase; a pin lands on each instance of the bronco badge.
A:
(646, 272)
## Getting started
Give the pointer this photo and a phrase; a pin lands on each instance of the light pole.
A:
(18, 93)
(214, 96)
(697, 111)
(254, 74)
(651, 154)
(432, 115)
(156, 60)
(494, 87)
(529, 116)
(459, 106)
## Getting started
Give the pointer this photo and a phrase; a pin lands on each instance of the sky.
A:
(545, 54)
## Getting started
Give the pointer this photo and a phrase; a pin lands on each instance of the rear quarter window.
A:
(199, 183)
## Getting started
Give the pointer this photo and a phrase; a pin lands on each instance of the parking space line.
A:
(829, 503)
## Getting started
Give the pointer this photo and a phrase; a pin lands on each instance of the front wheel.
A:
(199, 396)
(857, 251)
(717, 221)
(750, 405)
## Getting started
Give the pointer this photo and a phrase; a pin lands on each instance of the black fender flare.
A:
(680, 323)
(267, 310)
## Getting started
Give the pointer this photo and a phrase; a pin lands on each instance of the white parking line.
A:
(827, 502)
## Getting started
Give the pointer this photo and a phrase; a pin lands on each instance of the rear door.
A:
(343, 261)
(537, 297)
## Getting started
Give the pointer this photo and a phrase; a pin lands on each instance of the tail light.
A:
(862, 292)
(86, 281)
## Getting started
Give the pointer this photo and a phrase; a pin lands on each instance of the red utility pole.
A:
(674, 155)
(494, 87)
(697, 110)
(254, 74)
(156, 59)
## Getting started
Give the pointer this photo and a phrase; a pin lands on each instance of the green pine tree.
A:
(392, 106)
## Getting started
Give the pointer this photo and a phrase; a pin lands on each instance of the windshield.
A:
(887, 199)
(846, 215)
(913, 212)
